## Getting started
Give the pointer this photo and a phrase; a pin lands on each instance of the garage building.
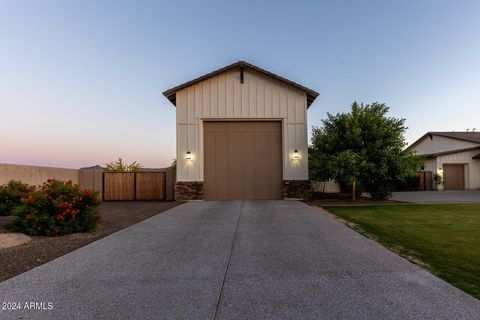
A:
(241, 134)
(453, 155)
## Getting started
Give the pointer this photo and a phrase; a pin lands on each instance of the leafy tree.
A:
(120, 166)
(364, 147)
(347, 165)
(321, 166)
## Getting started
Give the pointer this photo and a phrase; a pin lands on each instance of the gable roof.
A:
(457, 135)
(460, 135)
(171, 93)
(442, 153)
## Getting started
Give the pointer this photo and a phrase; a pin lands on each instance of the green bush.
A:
(307, 195)
(409, 183)
(11, 194)
(381, 192)
(56, 208)
(311, 195)
(438, 179)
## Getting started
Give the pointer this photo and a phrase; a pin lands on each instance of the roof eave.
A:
(439, 134)
(170, 94)
(445, 135)
(442, 153)
(418, 140)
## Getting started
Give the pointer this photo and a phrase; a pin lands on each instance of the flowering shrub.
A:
(11, 194)
(56, 208)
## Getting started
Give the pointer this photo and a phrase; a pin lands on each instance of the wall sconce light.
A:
(296, 156)
(188, 156)
(440, 169)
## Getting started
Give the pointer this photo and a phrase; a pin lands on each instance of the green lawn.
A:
(445, 237)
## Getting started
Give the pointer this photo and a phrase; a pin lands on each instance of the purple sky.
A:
(81, 82)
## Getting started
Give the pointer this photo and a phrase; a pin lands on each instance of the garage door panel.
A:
(264, 189)
(241, 126)
(261, 146)
(235, 161)
(247, 160)
(249, 176)
(275, 145)
(270, 126)
(262, 168)
(216, 127)
(454, 176)
(248, 143)
(221, 143)
(221, 164)
(276, 170)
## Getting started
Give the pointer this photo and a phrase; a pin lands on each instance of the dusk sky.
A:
(81, 82)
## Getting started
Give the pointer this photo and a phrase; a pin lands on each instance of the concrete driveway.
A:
(235, 260)
(456, 197)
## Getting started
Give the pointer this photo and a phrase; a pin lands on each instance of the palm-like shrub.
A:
(120, 166)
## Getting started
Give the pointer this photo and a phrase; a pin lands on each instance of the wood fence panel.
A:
(151, 186)
(428, 181)
(118, 186)
(421, 181)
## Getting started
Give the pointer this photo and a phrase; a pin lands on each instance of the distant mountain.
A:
(92, 167)
(141, 169)
(152, 169)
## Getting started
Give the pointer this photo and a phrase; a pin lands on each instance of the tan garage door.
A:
(243, 160)
(454, 177)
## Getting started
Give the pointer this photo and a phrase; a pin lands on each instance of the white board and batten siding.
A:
(224, 97)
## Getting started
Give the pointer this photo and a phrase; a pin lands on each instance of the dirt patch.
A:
(114, 216)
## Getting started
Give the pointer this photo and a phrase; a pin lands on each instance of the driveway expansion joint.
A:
(278, 259)
(228, 261)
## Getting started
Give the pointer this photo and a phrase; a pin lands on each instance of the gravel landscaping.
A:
(114, 216)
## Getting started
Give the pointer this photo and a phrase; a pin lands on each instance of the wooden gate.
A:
(425, 181)
(134, 186)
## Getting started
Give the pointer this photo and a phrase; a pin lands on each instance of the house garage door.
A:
(243, 160)
(454, 177)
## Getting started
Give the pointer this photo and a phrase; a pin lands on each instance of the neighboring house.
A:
(454, 155)
(241, 134)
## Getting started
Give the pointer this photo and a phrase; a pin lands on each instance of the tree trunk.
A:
(353, 190)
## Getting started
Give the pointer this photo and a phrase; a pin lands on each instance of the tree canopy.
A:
(364, 146)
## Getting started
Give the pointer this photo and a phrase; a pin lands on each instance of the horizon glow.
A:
(81, 82)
